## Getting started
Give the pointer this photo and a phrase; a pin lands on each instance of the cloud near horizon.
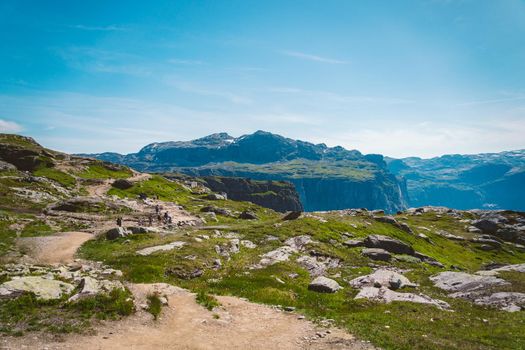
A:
(7, 126)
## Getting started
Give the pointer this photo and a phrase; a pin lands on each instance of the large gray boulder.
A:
(298, 242)
(117, 232)
(507, 301)
(324, 285)
(45, 289)
(385, 295)
(460, 283)
(389, 244)
(382, 278)
(161, 248)
(487, 226)
(377, 254)
(122, 184)
(275, 256)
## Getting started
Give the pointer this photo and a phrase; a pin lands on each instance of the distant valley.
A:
(330, 178)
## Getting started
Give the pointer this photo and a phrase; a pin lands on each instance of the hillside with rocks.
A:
(189, 268)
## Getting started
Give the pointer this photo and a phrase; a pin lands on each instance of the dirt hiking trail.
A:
(184, 324)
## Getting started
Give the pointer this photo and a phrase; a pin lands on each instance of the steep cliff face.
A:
(326, 178)
(277, 195)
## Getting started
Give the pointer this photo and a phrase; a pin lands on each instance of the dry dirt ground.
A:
(183, 324)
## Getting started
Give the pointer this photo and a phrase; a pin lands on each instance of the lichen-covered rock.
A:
(389, 244)
(117, 232)
(161, 248)
(461, 282)
(43, 288)
(507, 301)
(382, 278)
(277, 255)
(377, 254)
(324, 285)
(385, 295)
(122, 184)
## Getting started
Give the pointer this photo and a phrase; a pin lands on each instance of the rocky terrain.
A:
(190, 268)
(325, 178)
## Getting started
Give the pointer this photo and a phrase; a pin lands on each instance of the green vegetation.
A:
(154, 305)
(102, 171)
(27, 313)
(302, 168)
(61, 177)
(36, 228)
(410, 326)
(207, 300)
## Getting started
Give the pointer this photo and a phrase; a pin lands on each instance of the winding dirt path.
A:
(184, 324)
(58, 248)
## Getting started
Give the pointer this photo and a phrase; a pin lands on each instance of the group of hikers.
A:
(165, 218)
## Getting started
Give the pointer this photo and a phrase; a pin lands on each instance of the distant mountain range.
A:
(328, 178)
(488, 180)
(325, 177)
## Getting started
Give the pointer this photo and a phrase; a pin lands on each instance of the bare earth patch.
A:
(58, 248)
(184, 324)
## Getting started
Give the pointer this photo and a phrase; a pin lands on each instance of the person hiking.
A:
(119, 221)
(150, 219)
(157, 209)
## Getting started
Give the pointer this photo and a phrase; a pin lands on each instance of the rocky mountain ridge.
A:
(326, 178)
(488, 180)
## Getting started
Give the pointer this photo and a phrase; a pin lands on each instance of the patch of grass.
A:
(154, 305)
(61, 177)
(27, 313)
(411, 326)
(207, 300)
(104, 171)
(36, 228)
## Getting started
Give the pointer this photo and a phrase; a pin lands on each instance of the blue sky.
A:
(420, 77)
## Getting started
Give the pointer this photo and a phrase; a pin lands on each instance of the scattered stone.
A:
(497, 270)
(389, 244)
(377, 254)
(382, 278)
(159, 248)
(386, 295)
(324, 285)
(298, 242)
(293, 215)
(43, 288)
(248, 244)
(117, 232)
(460, 282)
(278, 255)
(506, 301)
(248, 215)
(122, 184)
(352, 243)
(449, 235)
(182, 273)
(215, 197)
(317, 265)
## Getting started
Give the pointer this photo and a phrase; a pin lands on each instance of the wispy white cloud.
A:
(9, 126)
(315, 58)
(492, 101)
(206, 91)
(185, 62)
(340, 98)
(109, 28)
